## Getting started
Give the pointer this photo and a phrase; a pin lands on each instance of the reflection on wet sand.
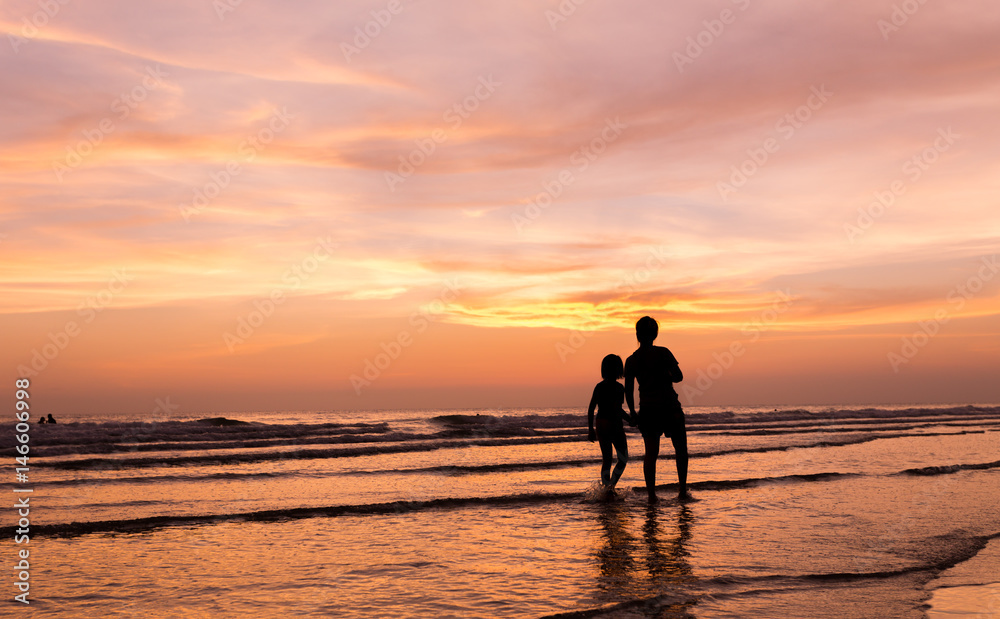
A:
(648, 569)
(616, 555)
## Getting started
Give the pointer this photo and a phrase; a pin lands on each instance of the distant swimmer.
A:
(51, 419)
(609, 395)
(41, 420)
(656, 369)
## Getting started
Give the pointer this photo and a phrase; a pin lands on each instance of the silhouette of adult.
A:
(667, 562)
(51, 419)
(656, 369)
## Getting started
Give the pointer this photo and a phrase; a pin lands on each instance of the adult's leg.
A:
(678, 437)
(652, 443)
(621, 446)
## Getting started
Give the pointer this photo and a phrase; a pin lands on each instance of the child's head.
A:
(612, 368)
(646, 330)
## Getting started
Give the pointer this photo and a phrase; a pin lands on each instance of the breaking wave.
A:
(155, 522)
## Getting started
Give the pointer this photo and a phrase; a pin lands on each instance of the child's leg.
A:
(605, 441)
(621, 446)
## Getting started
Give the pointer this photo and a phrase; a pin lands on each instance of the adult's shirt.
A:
(652, 367)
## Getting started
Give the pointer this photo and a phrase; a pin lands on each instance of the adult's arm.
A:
(673, 368)
(629, 395)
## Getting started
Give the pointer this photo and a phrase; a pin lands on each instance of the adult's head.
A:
(646, 330)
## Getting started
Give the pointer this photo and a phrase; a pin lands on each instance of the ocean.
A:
(883, 511)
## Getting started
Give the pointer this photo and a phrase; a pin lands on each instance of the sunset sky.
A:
(231, 206)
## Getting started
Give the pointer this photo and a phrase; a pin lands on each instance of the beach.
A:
(806, 512)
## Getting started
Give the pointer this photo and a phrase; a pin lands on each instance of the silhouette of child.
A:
(660, 412)
(609, 394)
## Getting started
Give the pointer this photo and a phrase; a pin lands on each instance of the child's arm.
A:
(591, 434)
(621, 399)
(630, 397)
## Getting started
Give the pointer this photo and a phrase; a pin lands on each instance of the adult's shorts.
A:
(667, 420)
